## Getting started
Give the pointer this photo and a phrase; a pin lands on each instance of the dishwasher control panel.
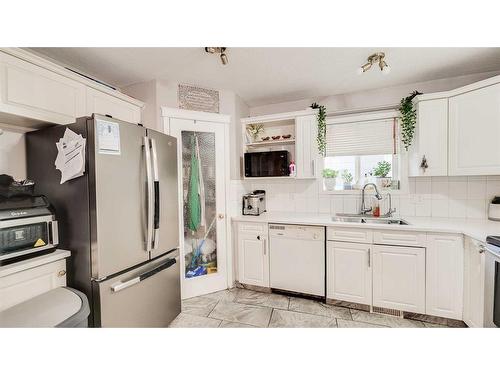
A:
(303, 232)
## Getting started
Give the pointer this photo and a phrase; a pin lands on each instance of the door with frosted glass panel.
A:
(201, 153)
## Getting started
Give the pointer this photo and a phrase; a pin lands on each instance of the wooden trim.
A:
(194, 115)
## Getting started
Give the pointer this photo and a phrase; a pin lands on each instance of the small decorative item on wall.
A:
(408, 119)
(198, 99)
(380, 172)
(321, 139)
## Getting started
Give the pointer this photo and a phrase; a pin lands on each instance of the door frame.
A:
(224, 121)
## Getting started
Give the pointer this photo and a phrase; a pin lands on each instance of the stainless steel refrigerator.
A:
(119, 220)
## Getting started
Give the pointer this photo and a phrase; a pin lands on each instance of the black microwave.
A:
(267, 164)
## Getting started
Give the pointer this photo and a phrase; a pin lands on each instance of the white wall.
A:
(454, 197)
(12, 154)
(159, 93)
(371, 98)
(447, 197)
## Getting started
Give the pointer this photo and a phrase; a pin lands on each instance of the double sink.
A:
(364, 219)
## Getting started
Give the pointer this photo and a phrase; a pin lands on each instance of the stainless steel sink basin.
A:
(368, 220)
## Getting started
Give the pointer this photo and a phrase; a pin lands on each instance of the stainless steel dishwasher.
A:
(297, 258)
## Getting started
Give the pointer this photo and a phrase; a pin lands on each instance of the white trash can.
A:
(60, 307)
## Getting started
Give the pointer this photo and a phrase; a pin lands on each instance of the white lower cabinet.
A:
(21, 286)
(253, 254)
(399, 278)
(444, 275)
(349, 273)
(473, 311)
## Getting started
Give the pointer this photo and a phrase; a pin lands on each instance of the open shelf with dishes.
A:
(278, 133)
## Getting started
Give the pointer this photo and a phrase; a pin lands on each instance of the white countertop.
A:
(33, 262)
(477, 229)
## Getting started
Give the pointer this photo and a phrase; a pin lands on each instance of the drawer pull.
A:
(61, 273)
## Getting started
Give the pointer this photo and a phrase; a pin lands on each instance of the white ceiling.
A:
(273, 75)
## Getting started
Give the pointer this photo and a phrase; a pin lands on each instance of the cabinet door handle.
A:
(313, 169)
(258, 237)
(369, 258)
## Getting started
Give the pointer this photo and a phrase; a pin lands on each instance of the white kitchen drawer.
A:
(23, 285)
(252, 227)
(346, 234)
(397, 237)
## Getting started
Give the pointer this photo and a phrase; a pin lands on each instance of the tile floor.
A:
(242, 308)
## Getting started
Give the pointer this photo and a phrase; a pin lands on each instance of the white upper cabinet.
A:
(444, 275)
(104, 104)
(474, 132)
(428, 155)
(306, 150)
(35, 92)
(30, 91)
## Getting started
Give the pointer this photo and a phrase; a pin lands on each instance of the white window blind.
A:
(376, 137)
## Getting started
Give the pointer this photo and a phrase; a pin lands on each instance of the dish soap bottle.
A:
(292, 169)
(376, 208)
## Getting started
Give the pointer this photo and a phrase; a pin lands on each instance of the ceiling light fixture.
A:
(373, 59)
(220, 50)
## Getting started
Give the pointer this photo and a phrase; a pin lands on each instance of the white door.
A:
(399, 278)
(253, 257)
(349, 272)
(474, 132)
(202, 240)
(444, 275)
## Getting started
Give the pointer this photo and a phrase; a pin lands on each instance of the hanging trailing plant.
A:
(321, 117)
(408, 119)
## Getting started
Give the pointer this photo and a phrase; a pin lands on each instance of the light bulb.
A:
(360, 71)
(386, 69)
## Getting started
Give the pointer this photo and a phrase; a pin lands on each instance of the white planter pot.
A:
(330, 183)
(383, 182)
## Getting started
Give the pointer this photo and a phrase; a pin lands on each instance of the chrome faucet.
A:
(365, 210)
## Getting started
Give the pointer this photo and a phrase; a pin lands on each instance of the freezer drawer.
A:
(148, 296)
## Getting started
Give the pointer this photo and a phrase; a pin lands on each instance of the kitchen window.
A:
(355, 148)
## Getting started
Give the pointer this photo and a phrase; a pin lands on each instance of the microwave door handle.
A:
(149, 193)
(156, 186)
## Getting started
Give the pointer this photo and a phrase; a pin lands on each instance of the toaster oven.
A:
(27, 228)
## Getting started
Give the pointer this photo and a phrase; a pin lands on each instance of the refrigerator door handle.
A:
(136, 280)
(149, 188)
(156, 186)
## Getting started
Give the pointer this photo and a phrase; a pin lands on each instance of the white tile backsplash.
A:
(455, 197)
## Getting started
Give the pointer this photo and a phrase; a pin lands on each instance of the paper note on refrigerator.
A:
(70, 158)
(108, 137)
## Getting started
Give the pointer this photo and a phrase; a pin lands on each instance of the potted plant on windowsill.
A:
(330, 178)
(347, 177)
(380, 172)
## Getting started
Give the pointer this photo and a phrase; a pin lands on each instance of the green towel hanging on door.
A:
(194, 205)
